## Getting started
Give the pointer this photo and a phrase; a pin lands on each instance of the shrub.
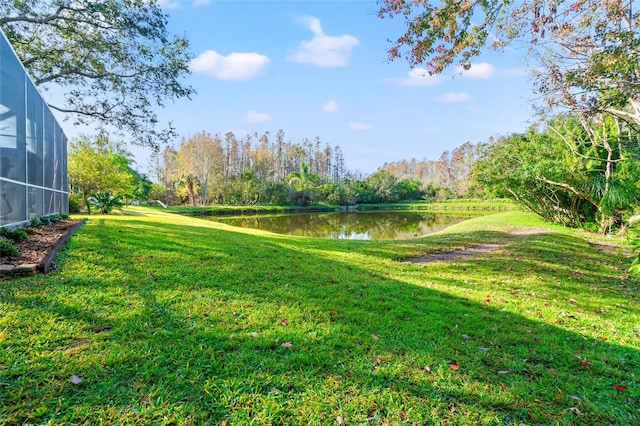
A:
(106, 202)
(18, 234)
(55, 218)
(7, 248)
(35, 221)
(45, 220)
(74, 204)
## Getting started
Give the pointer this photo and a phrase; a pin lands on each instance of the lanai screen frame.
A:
(33, 148)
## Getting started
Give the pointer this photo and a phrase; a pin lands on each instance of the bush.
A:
(7, 248)
(45, 220)
(55, 218)
(18, 234)
(106, 202)
(35, 221)
(74, 204)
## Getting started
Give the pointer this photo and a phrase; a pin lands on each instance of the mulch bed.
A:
(39, 245)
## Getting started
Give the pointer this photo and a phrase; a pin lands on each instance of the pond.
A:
(374, 225)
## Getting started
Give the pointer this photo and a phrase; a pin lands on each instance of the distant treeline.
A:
(210, 169)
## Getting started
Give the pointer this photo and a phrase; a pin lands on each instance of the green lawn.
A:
(176, 320)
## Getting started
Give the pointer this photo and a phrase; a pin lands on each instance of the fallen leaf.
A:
(287, 345)
(333, 312)
(454, 365)
(559, 396)
(575, 411)
(619, 388)
(538, 313)
(284, 321)
(572, 301)
(340, 420)
(585, 362)
(376, 360)
(75, 379)
(465, 336)
(427, 369)
(375, 337)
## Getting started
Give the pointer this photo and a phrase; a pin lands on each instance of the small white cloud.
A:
(480, 70)
(451, 98)
(324, 50)
(330, 107)
(419, 77)
(254, 117)
(360, 126)
(235, 66)
(169, 4)
(201, 2)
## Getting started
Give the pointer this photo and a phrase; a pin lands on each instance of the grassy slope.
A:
(169, 319)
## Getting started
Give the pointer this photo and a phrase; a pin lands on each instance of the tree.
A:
(94, 167)
(587, 49)
(567, 173)
(201, 157)
(115, 59)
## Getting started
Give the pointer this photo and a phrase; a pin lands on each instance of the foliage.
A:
(17, 234)
(183, 320)
(94, 166)
(7, 248)
(116, 60)
(105, 202)
(572, 171)
(635, 265)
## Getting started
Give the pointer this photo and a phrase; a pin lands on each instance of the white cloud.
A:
(480, 70)
(201, 2)
(330, 107)
(324, 50)
(454, 98)
(235, 66)
(419, 77)
(254, 117)
(360, 126)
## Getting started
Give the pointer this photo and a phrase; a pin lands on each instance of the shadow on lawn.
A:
(181, 347)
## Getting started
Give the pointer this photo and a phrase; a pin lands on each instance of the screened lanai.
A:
(33, 147)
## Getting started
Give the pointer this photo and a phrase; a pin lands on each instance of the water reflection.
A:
(376, 225)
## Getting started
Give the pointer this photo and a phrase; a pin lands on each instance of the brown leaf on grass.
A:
(287, 345)
(427, 369)
(284, 321)
(340, 420)
(584, 362)
(333, 312)
(375, 337)
(376, 360)
(619, 388)
(76, 380)
(454, 365)
(575, 411)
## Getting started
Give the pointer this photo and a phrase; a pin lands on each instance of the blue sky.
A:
(319, 69)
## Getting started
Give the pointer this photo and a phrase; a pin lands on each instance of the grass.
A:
(176, 320)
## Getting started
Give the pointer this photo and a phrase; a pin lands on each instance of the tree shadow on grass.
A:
(195, 321)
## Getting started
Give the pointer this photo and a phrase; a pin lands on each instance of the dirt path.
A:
(472, 250)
